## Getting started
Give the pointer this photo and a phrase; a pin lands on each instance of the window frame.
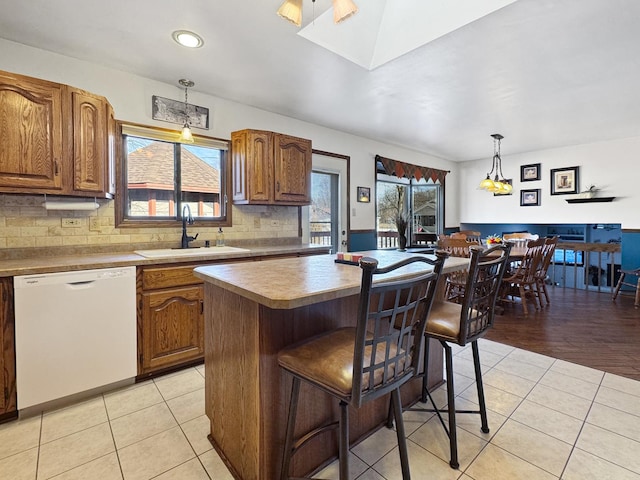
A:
(172, 136)
(410, 184)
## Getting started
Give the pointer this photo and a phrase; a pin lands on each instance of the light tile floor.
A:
(549, 419)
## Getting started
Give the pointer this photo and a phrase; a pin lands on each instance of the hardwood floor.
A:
(582, 327)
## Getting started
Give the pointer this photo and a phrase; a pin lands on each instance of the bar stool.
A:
(358, 364)
(459, 324)
(635, 285)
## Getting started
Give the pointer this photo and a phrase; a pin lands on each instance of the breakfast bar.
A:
(254, 309)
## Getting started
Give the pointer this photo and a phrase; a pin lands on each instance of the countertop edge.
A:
(54, 264)
(289, 298)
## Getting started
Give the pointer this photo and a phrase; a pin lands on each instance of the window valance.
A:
(408, 170)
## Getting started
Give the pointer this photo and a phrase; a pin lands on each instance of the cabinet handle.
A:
(55, 167)
(201, 307)
(277, 186)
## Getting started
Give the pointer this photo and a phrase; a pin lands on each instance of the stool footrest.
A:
(299, 443)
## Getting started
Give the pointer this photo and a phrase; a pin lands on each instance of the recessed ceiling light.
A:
(187, 38)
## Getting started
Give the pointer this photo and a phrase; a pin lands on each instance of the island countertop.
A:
(295, 282)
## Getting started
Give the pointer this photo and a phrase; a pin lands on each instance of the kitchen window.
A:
(159, 176)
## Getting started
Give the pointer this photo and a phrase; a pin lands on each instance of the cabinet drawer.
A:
(169, 277)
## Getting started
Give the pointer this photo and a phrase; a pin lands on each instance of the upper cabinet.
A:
(270, 168)
(56, 139)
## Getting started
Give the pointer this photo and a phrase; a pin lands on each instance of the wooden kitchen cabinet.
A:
(55, 139)
(170, 313)
(270, 168)
(170, 318)
(8, 399)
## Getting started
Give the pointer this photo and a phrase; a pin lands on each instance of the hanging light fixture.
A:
(343, 9)
(498, 184)
(185, 135)
(291, 10)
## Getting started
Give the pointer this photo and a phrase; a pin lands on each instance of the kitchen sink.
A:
(189, 252)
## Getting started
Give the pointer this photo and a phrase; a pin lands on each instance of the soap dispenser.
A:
(220, 238)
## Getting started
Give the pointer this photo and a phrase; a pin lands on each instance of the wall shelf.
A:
(590, 200)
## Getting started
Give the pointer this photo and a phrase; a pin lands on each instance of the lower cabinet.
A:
(8, 399)
(170, 315)
(170, 318)
(172, 323)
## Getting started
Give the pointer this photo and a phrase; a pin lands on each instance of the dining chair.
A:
(469, 235)
(635, 285)
(460, 324)
(455, 281)
(541, 275)
(356, 365)
(521, 279)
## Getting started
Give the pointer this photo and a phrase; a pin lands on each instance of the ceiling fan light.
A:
(343, 9)
(291, 10)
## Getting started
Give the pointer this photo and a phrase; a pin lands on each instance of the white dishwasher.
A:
(75, 331)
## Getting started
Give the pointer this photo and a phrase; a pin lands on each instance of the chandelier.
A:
(498, 185)
(291, 10)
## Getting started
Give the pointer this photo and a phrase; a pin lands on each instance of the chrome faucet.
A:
(186, 220)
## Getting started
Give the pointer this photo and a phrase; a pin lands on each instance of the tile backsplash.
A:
(24, 223)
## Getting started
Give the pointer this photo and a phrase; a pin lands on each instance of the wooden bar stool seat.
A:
(358, 364)
(635, 285)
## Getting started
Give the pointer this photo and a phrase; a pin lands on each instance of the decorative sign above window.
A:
(173, 111)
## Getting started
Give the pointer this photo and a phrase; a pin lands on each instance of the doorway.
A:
(330, 174)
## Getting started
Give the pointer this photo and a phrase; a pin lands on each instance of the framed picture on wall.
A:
(564, 181)
(364, 194)
(530, 198)
(530, 173)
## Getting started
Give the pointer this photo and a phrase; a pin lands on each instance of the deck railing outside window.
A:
(387, 239)
(320, 233)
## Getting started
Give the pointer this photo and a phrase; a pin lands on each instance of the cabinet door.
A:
(173, 327)
(31, 150)
(252, 156)
(7, 349)
(111, 151)
(90, 159)
(292, 164)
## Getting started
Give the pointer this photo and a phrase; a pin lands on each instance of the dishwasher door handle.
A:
(79, 285)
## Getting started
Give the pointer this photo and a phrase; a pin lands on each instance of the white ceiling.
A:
(544, 73)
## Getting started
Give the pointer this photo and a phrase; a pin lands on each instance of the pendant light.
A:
(498, 184)
(185, 135)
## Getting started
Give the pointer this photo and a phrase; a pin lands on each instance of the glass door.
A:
(323, 212)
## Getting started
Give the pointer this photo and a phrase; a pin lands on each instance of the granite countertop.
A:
(53, 262)
(296, 282)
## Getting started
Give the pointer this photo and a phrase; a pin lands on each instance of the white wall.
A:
(131, 95)
(612, 166)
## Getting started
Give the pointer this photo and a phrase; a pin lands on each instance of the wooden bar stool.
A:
(358, 364)
(459, 324)
(635, 285)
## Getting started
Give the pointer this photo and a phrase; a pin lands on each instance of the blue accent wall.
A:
(630, 250)
(365, 240)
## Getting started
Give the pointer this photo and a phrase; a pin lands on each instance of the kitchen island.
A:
(251, 312)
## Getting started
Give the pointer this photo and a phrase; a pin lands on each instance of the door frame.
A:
(332, 163)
